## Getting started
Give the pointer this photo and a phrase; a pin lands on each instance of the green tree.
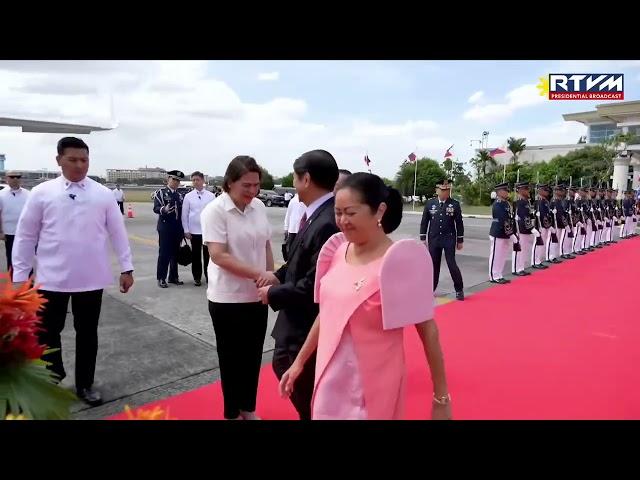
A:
(483, 163)
(267, 182)
(388, 182)
(515, 146)
(287, 181)
(428, 175)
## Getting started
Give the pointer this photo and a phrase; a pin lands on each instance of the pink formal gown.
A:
(360, 366)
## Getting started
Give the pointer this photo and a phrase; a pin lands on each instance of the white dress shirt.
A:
(295, 210)
(70, 224)
(119, 194)
(11, 205)
(246, 235)
(311, 209)
(192, 206)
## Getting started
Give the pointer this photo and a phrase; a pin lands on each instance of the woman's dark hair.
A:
(321, 166)
(238, 167)
(71, 142)
(373, 192)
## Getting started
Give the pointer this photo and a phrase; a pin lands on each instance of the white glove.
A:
(553, 230)
(537, 214)
(514, 239)
(535, 232)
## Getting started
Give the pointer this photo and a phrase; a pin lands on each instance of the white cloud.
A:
(476, 97)
(521, 97)
(269, 76)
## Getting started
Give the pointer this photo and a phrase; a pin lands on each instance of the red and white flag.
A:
(448, 153)
(412, 157)
(496, 151)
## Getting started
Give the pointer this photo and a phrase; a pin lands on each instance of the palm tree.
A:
(515, 146)
(481, 161)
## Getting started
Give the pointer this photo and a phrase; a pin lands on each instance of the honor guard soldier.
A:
(613, 205)
(569, 205)
(628, 205)
(167, 203)
(501, 234)
(580, 219)
(560, 224)
(592, 222)
(443, 229)
(617, 208)
(525, 229)
(598, 212)
(588, 218)
(607, 216)
(544, 224)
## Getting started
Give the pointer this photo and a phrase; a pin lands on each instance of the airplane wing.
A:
(38, 126)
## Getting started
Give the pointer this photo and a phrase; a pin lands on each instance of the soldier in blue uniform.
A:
(560, 224)
(579, 222)
(544, 225)
(525, 229)
(587, 215)
(628, 204)
(167, 203)
(443, 229)
(569, 205)
(501, 234)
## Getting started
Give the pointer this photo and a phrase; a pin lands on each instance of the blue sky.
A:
(198, 115)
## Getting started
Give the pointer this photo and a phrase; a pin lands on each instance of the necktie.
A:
(303, 220)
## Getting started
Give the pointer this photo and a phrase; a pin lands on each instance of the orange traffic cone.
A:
(130, 212)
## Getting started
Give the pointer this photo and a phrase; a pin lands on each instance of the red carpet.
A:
(560, 344)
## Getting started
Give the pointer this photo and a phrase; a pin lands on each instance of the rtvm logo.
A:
(586, 86)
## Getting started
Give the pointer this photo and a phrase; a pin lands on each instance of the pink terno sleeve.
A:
(406, 285)
(325, 259)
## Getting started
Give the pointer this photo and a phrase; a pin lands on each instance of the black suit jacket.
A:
(293, 298)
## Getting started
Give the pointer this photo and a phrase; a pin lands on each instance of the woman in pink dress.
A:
(369, 288)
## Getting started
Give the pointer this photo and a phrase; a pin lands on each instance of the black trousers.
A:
(85, 307)
(121, 205)
(199, 259)
(169, 240)
(8, 245)
(448, 244)
(240, 330)
(283, 358)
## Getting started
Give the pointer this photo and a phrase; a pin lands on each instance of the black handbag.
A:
(184, 254)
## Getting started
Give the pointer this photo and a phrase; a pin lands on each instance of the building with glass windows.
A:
(602, 124)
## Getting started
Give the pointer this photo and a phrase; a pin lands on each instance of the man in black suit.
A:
(292, 289)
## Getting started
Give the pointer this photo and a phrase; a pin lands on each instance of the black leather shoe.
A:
(539, 266)
(556, 261)
(459, 295)
(176, 282)
(525, 273)
(501, 281)
(520, 274)
(163, 284)
(90, 396)
(581, 252)
(197, 283)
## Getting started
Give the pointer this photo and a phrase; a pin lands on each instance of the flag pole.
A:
(415, 181)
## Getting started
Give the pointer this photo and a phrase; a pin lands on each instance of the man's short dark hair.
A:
(197, 174)
(321, 167)
(344, 172)
(71, 142)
